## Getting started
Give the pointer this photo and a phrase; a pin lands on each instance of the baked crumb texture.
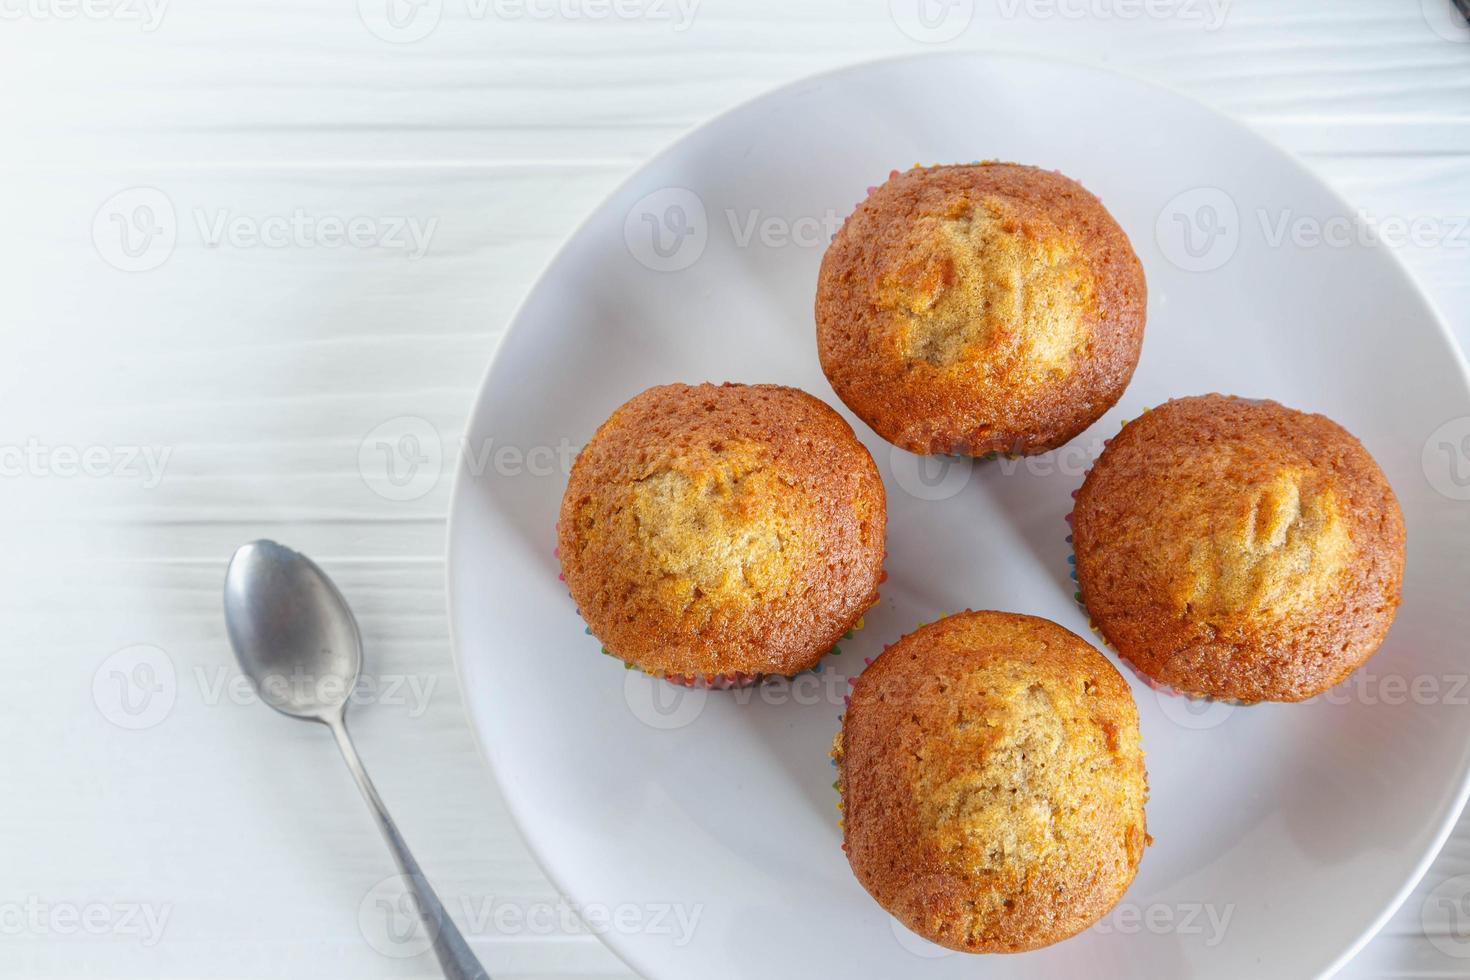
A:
(1239, 549)
(980, 308)
(719, 530)
(992, 782)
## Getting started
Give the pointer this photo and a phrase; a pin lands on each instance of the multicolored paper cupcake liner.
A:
(835, 757)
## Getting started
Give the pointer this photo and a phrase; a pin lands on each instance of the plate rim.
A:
(461, 481)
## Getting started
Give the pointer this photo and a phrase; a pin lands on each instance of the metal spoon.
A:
(296, 640)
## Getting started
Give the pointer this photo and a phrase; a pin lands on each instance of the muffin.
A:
(716, 532)
(990, 307)
(1238, 549)
(992, 782)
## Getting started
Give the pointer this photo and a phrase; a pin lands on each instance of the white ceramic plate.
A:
(1285, 834)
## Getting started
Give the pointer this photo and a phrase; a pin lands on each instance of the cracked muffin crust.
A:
(713, 530)
(980, 308)
(993, 783)
(1239, 549)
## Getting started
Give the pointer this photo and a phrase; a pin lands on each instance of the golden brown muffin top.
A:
(709, 530)
(1239, 549)
(993, 782)
(980, 308)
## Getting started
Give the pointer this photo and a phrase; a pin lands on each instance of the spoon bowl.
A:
(292, 631)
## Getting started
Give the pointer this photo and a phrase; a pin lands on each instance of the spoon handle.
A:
(455, 958)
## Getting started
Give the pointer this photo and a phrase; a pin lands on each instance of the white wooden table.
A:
(158, 824)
